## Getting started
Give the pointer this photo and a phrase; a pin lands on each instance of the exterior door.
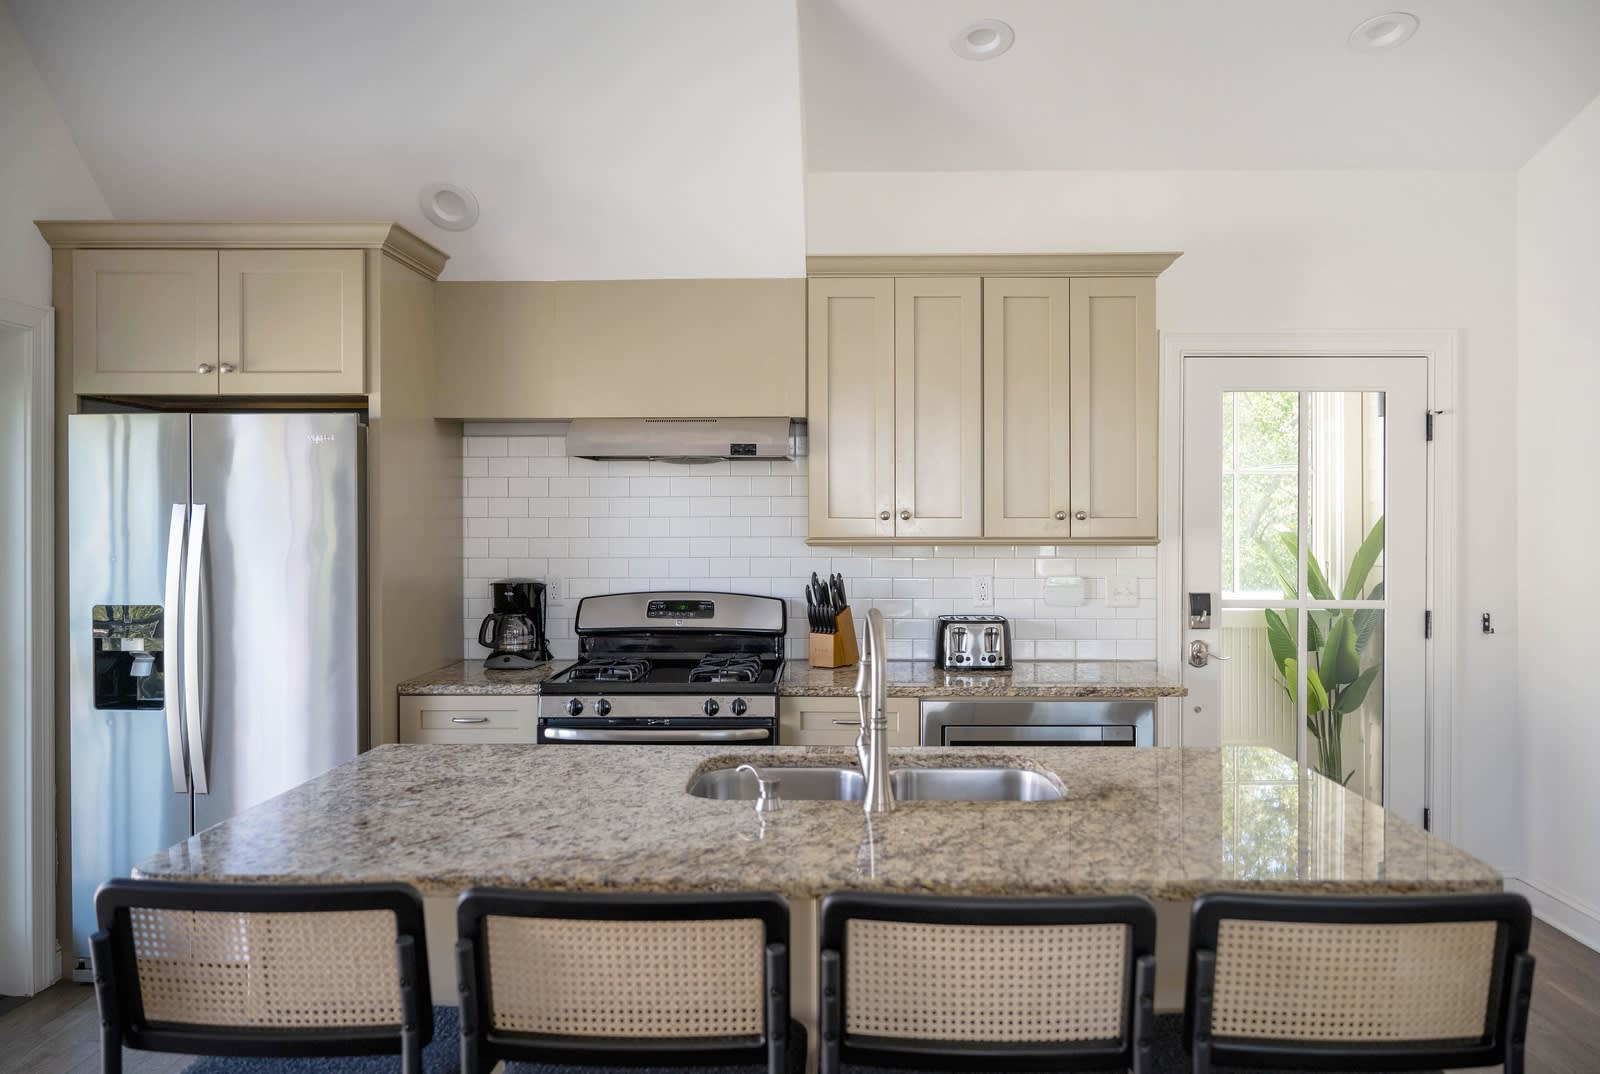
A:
(279, 696)
(938, 412)
(851, 407)
(128, 482)
(1305, 495)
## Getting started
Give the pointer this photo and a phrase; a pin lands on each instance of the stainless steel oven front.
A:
(1038, 722)
(670, 730)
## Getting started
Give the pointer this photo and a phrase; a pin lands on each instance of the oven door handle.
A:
(642, 736)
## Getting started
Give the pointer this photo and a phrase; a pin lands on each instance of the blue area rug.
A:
(443, 1056)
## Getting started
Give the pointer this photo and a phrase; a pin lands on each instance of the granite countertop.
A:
(1029, 678)
(1165, 823)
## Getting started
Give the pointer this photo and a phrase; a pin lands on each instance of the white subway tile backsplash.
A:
(615, 526)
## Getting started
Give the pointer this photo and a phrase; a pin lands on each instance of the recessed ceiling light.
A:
(983, 40)
(452, 207)
(1383, 32)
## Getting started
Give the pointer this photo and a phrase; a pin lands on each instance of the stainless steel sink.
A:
(798, 784)
(909, 785)
(972, 785)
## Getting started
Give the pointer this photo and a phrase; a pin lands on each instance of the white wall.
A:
(1271, 251)
(41, 174)
(740, 525)
(1558, 513)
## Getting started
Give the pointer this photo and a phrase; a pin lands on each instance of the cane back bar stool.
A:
(600, 981)
(1347, 983)
(261, 970)
(925, 982)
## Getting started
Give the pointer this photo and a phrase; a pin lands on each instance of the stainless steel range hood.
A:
(679, 439)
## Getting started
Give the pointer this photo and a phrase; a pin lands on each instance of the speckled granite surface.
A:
(1030, 678)
(1166, 823)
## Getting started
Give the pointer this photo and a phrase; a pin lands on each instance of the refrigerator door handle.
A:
(193, 634)
(171, 642)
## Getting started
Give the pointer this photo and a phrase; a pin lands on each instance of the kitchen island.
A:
(1169, 824)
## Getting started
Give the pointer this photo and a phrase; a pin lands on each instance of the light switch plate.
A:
(1122, 591)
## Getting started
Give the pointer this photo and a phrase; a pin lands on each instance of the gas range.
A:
(669, 667)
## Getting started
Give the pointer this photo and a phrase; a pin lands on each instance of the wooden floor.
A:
(56, 1031)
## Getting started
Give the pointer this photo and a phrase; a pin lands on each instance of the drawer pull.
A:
(847, 723)
(469, 719)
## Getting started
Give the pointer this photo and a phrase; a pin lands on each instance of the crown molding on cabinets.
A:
(393, 239)
(1007, 265)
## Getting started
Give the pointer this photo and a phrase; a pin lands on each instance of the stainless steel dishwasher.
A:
(1035, 722)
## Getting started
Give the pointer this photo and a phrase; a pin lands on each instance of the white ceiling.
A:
(1184, 84)
(603, 138)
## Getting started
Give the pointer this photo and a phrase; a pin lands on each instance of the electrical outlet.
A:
(982, 591)
(1122, 591)
(555, 592)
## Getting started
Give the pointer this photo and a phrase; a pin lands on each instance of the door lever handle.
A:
(1200, 654)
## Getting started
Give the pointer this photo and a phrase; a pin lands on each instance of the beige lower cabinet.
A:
(835, 721)
(144, 322)
(290, 322)
(453, 719)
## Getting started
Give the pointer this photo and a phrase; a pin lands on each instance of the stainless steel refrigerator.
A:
(216, 646)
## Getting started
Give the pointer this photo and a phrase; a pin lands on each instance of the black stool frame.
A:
(780, 1047)
(1510, 992)
(116, 974)
(1135, 1049)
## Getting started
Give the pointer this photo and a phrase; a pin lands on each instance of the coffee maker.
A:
(515, 629)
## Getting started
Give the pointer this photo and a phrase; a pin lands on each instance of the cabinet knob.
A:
(1061, 516)
(884, 515)
(905, 515)
(205, 368)
(229, 367)
(1082, 516)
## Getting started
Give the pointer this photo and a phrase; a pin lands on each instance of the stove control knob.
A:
(574, 706)
(739, 707)
(602, 707)
(710, 707)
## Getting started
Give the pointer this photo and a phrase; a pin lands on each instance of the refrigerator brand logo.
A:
(322, 438)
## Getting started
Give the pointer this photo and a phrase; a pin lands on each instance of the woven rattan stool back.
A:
(1013, 984)
(622, 979)
(224, 969)
(1379, 983)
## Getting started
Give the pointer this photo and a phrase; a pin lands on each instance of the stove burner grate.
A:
(727, 667)
(610, 671)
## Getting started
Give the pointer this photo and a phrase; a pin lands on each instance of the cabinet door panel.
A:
(1114, 408)
(836, 721)
(291, 322)
(1027, 408)
(851, 407)
(938, 412)
(144, 322)
(438, 718)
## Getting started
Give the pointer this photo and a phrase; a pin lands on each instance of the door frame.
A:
(35, 958)
(1439, 349)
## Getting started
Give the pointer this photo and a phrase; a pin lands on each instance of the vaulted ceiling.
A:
(640, 138)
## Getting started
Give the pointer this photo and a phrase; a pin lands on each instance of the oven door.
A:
(673, 731)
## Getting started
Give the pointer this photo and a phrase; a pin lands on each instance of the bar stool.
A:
(938, 983)
(599, 981)
(1390, 983)
(261, 970)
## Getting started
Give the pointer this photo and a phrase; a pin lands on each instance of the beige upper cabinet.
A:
(290, 322)
(938, 412)
(1028, 415)
(851, 341)
(1115, 404)
(144, 322)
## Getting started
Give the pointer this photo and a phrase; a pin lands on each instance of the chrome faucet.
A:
(872, 682)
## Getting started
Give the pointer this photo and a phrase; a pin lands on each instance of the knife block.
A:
(836, 650)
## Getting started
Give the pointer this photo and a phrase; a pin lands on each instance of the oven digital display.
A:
(680, 609)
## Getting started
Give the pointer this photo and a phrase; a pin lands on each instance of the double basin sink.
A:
(829, 784)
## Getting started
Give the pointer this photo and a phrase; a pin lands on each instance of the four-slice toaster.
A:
(964, 642)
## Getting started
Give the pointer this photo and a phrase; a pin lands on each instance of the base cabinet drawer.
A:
(835, 721)
(454, 719)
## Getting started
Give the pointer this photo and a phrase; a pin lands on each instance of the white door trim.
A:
(28, 965)
(1439, 348)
